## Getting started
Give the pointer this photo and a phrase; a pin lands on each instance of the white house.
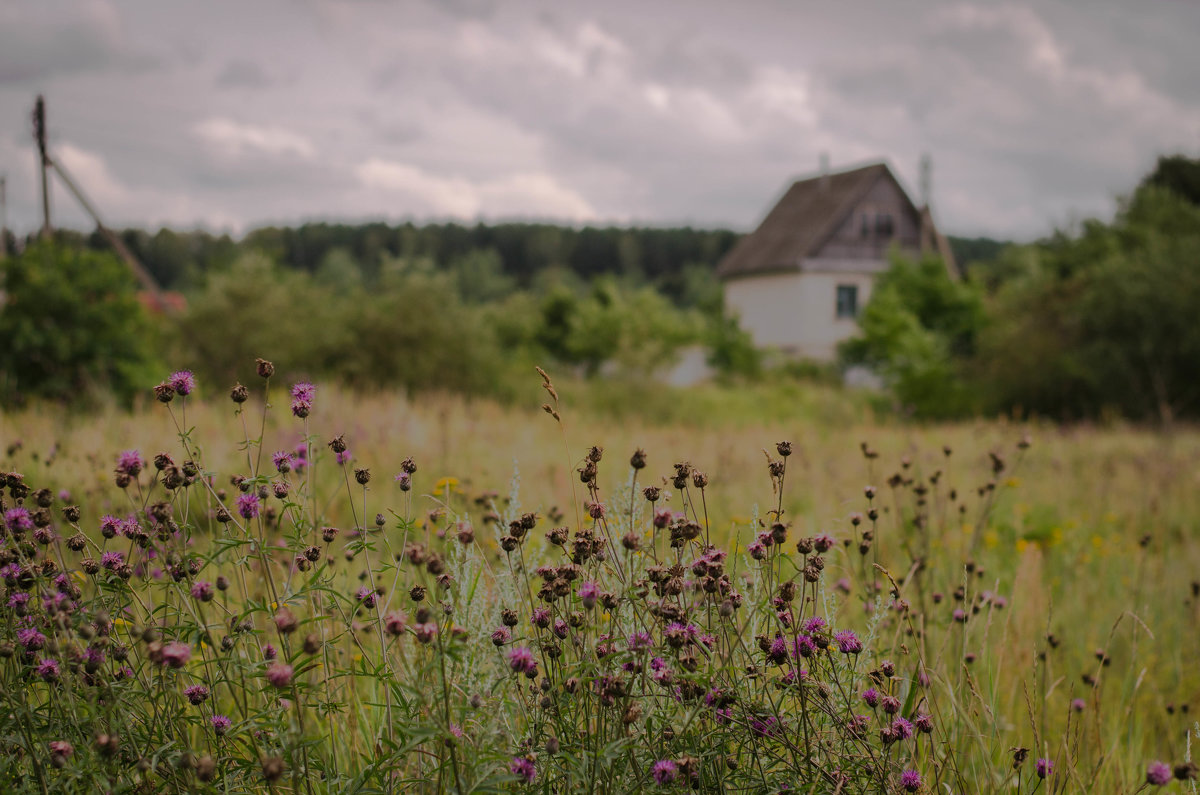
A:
(798, 282)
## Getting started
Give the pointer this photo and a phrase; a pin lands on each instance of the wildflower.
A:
(664, 771)
(768, 727)
(924, 723)
(501, 636)
(405, 481)
(269, 652)
(60, 752)
(1045, 768)
(183, 382)
(202, 591)
(848, 642)
(910, 781)
(540, 617)
(130, 463)
(283, 461)
(757, 550)
(522, 767)
(425, 632)
(960, 615)
(814, 624)
(639, 641)
(522, 661)
(1158, 774)
(247, 505)
(366, 596)
(18, 520)
(596, 510)
(196, 694)
(112, 560)
(902, 728)
(30, 639)
(871, 696)
(302, 398)
(220, 724)
(342, 456)
(176, 654)
(560, 628)
(589, 592)
(47, 668)
(279, 674)
(394, 623)
(891, 705)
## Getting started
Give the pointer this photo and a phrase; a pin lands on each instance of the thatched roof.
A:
(807, 215)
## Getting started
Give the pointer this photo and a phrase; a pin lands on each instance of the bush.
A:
(71, 327)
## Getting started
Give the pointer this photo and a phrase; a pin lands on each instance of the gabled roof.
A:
(808, 214)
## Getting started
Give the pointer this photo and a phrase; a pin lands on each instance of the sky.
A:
(231, 115)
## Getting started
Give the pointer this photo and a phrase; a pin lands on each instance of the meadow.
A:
(764, 591)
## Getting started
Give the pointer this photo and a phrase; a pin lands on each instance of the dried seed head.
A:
(239, 394)
(264, 368)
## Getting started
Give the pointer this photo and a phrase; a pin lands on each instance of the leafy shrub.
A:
(71, 327)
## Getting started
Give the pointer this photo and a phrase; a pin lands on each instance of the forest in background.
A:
(1091, 322)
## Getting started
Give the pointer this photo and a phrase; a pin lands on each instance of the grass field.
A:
(1022, 587)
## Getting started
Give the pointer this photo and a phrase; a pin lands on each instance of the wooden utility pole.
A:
(47, 163)
(39, 134)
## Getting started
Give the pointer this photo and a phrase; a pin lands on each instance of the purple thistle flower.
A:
(183, 382)
(871, 696)
(47, 668)
(343, 457)
(639, 641)
(959, 615)
(112, 560)
(394, 623)
(366, 596)
(589, 592)
(202, 591)
(902, 728)
(757, 550)
(269, 652)
(280, 674)
(814, 624)
(804, 646)
(302, 398)
(130, 463)
(1079, 705)
(1159, 774)
(910, 781)
(1045, 768)
(220, 724)
(110, 526)
(196, 694)
(176, 654)
(765, 727)
(523, 768)
(664, 771)
(522, 661)
(560, 628)
(891, 705)
(924, 723)
(283, 461)
(848, 642)
(501, 636)
(30, 639)
(247, 505)
(19, 601)
(540, 617)
(18, 520)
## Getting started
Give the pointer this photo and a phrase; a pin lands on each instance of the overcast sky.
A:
(234, 114)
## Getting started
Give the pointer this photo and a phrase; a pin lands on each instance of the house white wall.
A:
(796, 312)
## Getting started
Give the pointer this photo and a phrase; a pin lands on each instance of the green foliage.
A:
(915, 332)
(71, 327)
(1103, 322)
(1179, 174)
(411, 332)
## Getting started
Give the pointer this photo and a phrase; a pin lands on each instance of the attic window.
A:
(865, 230)
(847, 300)
(883, 225)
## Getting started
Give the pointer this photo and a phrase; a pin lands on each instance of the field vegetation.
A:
(447, 594)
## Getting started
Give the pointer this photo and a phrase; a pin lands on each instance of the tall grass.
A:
(367, 594)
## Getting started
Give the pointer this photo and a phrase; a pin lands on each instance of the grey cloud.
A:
(243, 73)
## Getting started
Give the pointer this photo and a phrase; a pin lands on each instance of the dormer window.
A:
(865, 229)
(883, 225)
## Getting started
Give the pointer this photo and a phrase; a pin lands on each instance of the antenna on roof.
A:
(3, 217)
(926, 179)
(824, 168)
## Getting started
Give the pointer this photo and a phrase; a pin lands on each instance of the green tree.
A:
(918, 332)
(71, 327)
